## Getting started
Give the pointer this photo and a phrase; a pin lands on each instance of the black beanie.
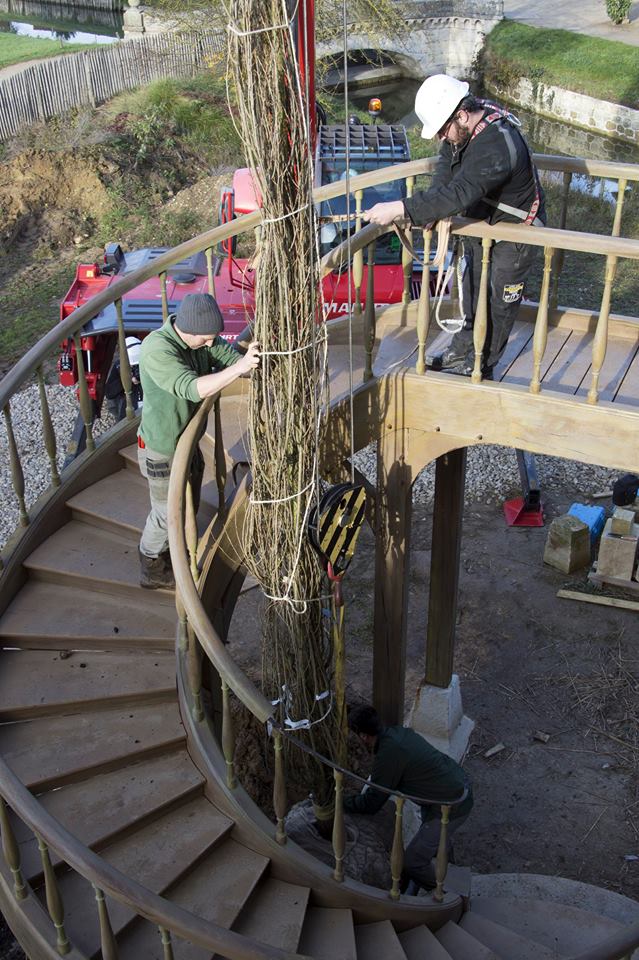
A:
(199, 315)
(625, 490)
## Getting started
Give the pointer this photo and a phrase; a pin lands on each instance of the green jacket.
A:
(168, 372)
(406, 762)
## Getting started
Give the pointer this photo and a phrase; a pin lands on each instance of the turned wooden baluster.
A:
(407, 257)
(369, 312)
(423, 307)
(228, 737)
(209, 269)
(17, 475)
(86, 404)
(559, 255)
(600, 341)
(220, 458)
(54, 900)
(108, 942)
(190, 530)
(165, 300)
(540, 337)
(441, 862)
(11, 852)
(480, 326)
(397, 851)
(183, 633)
(194, 672)
(358, 256)
(125, 366)
(280, 799)
(48, 433)
(167, 946)
(339, 827)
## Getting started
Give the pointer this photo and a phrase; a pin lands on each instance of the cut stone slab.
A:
(568, 544)
(438, 715)
(617, 554)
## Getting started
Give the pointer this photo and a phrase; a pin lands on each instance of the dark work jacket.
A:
(496, 164)
(406, 762)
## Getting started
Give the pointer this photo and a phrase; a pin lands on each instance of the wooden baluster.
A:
(407, 259)
(194, 673)
(540, 337)
(397, 852)
(559, 255)
(369, 312)
(108, 942)
(167, 945)
(11, 852)
(220, 458)
(125, 366)
(480, 326)
(48, 433)
(280, 800)
(228, 736)
(209, 269)
(423, 307)
(600, 340)
(190, 530)
(17, 474)
(441, 862)
(358, 257)
(86, 404)
(183, 633)
(621, 195)
(165, 299)
(54, 900)
(339, 827)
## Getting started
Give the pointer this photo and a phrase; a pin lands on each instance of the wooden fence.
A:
(51, 87)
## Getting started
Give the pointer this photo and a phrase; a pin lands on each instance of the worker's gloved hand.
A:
(251, 358)
(383, 214)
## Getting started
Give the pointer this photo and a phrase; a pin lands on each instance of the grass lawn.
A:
(605, 69)
(15, 49)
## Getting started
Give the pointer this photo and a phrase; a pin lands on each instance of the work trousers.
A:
(510, 266)
(156, 468)
(423, 849)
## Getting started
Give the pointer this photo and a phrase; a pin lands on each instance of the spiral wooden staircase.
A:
(126, 832)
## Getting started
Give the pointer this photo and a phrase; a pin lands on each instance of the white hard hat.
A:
(436, 101)
(133, 346)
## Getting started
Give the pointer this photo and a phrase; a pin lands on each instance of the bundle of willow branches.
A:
(288, 395)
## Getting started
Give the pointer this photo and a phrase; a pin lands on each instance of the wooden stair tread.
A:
(506, 943)
(458, 880)
(52, 751)
(209, 499)
(35, 682)
(275, 914)
(328, 934)
(89, 557)
(120, 500)
(215, 890)
(136, 793)
(45, 615)
(420, 943)
(566, 929)
(157, 855)
(375, 940)
(462, 945)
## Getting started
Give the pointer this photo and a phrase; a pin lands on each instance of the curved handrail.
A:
(110, 880)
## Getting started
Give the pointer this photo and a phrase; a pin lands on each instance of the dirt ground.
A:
(528, 662)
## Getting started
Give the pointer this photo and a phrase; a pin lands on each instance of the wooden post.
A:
(392, 553)
(397, 852)
(450, 472)
(480, 326)
(423, 308)
(540, 337)
(339, 828)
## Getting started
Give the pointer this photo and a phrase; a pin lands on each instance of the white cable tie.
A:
(291, 213)
(297, 724)
(251, 33)
(291, 600)
(292, 496)
(322, 696)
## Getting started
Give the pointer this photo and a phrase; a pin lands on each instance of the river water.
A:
(67, 22)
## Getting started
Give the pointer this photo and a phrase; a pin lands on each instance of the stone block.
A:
(438, 714)
(568, 544)
(617, 555)
(622, 521)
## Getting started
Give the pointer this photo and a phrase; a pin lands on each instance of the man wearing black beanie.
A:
(181, 364)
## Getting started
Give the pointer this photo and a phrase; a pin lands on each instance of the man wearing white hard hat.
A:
(484, 171)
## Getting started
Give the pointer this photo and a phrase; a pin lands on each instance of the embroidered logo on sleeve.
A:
(512, 292)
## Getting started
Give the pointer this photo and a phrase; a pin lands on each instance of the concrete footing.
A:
(439, 716)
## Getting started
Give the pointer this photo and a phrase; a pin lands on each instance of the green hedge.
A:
(605, 69)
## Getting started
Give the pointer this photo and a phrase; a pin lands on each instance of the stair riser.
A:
(106, 523)
(94, 704)
(87, 582)
(118, 643)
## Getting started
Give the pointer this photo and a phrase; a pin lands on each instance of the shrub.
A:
(618, 10)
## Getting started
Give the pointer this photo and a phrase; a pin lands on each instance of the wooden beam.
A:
(450, 474)
(599, 598)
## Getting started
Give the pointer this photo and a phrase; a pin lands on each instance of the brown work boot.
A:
(154, 573)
